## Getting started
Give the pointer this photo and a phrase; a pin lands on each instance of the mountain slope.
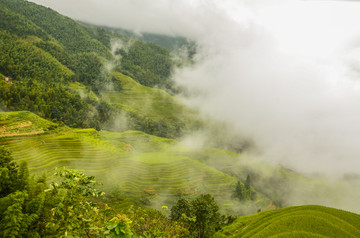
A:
(301, 221)
(65, 30)
(143, 168)
(21, 59)
(152, 110)
(41, 49)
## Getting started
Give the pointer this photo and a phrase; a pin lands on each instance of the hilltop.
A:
(300, 221)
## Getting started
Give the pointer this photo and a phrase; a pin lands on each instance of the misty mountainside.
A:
(299, 221)
(102, 100)
(133, 166)
(46, 54)
(173, 43)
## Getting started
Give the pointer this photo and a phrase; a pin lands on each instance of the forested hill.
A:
(172, 43)
(65, 71)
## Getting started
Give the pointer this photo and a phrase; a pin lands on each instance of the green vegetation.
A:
(20, 59)
(301, 221)
(143, 167)
(201, 215)
(29, 207)
(147, 63)
(244, 191)
(54, 102)
(25, 123)
(151, 110)
(72, 206)
(18, 24)
(172, 43)
(69, 33)
(46, 54)
(101, 111)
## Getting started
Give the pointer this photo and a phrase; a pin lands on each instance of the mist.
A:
(283, 73)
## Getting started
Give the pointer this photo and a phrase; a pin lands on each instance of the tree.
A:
(239, 191)
(21, 200)
(12, 178)
(248, 182)
(72, 213)
(200, 215)
(181, 207)
(251, 194)
(207, 216)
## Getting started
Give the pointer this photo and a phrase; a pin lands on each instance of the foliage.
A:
(44, 50)
(151, 110)
(72, 213)
(245, 191)
(21, 201)
(149, 64)
(69, 33)
(182, 207)
(12, 176)
(99, 34)
(200, 215)
(118, 226)
(66, 209)
(89, 71)
(151, 223)
(20, 59)
(18, 24)
(54, 102)
(239, 191)
(57, 51)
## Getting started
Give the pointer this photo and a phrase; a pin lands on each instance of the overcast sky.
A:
(284, 72)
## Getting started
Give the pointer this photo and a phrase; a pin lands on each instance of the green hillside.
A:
(151, 110)
(21, 59)
(301, 221)
(65, 71)
(65, 30)
(25, 123)
(102, 100)
(144, 168)
(19, 25)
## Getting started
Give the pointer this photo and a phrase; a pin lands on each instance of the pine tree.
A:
(239, 191)
(247, 182)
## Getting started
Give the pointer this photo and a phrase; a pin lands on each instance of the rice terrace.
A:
(164, 119)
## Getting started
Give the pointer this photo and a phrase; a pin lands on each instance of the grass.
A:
(300, 221)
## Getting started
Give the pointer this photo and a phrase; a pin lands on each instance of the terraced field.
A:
(300, 221)
(134, 163)
(24, 123)
(151, 102)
